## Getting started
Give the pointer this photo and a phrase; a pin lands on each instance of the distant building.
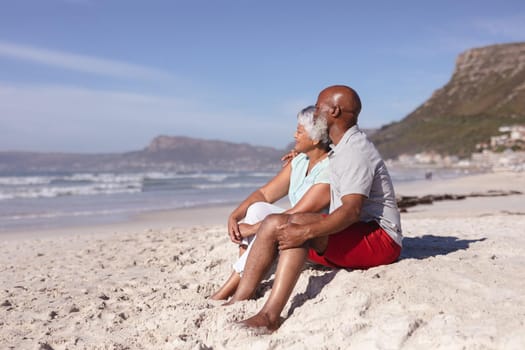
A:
(505, 152)
(513, 137)
(518, 133)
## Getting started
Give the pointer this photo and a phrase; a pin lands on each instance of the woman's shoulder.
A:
(322, 166)
(298, 159)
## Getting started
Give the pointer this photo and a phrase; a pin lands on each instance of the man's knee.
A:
(274, 220)
(270, 224)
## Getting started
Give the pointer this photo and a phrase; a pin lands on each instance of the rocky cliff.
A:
(486, 91)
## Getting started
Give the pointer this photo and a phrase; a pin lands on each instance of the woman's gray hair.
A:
(316, 129)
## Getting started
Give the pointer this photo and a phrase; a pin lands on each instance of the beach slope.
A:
(459, 284)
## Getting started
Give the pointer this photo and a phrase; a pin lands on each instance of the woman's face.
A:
(303, 142)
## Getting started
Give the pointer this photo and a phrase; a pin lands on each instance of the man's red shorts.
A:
(359, 246)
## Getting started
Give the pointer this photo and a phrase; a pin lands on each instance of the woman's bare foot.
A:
(229, 302)
(218, 296)
(228, 289)
(221, 294)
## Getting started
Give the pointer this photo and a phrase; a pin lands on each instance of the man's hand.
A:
(291, 236)
(287, 158)
(233, 230)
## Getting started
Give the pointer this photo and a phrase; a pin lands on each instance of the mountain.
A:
(170, 153)
(207, 154)
(486, 91)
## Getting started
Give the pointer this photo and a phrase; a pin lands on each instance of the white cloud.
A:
(65, 118)
(81, 63)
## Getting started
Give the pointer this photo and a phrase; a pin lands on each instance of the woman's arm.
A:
(314, 200)
(274, 190)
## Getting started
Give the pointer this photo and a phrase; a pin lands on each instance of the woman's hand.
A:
(233, 230)
(247, 230)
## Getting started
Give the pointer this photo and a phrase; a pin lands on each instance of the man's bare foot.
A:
(262, 320)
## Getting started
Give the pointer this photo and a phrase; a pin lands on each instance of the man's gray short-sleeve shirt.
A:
(357, 168)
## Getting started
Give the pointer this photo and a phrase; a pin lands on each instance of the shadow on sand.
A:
(314, 287)
(428, 246)
(422, 247)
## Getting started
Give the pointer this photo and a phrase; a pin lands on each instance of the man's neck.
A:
(337, 132)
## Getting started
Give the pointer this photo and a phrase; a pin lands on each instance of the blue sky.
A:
(108, 76)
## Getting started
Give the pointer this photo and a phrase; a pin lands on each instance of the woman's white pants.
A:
(255, 213)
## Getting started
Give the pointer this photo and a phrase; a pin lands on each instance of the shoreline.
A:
(217, 214)
(482, 182)
(152, 220)
(72, 211)
(180, 218)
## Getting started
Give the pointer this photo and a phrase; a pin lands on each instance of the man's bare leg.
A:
(289, 268)
(260, 258)
(291, 262)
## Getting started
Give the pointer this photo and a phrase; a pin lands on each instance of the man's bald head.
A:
(339, 105)
(342, 100)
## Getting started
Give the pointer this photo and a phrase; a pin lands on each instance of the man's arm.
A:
(314, 200)
(347, 214)
(287, 158)
(294, 235)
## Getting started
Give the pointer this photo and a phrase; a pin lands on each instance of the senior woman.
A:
(306, 181)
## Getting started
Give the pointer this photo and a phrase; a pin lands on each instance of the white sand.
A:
(460, 284)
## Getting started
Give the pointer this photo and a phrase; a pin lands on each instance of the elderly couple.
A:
(361, 229)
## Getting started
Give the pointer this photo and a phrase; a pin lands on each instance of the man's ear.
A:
(335, 111)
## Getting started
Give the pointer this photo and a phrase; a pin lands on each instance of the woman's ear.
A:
(315, 142)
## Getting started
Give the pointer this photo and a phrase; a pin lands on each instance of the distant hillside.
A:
(163, 153)
(486, 91)
(207, 154)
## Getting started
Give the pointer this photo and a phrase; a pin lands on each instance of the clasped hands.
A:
(238, 231)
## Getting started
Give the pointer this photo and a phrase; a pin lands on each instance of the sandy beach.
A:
(145, 284)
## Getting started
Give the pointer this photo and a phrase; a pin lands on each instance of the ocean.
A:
(47, 201)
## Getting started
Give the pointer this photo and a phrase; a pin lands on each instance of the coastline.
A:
(144, 283)
(480, 182)
(471, 206)
(217, 214)
(181, 218)
(48, 203)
